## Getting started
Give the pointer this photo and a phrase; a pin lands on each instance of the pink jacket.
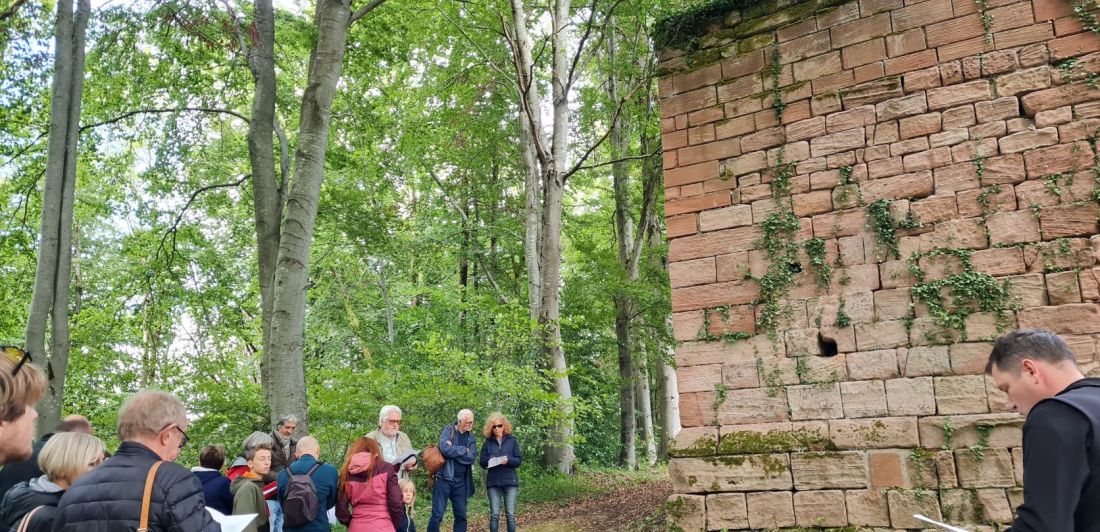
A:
(376, 503)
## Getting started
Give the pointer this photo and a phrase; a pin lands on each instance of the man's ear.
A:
(1030, 367)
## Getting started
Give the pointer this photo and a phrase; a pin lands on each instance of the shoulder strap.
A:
(314, 468)
(146, 498)
(26, 522)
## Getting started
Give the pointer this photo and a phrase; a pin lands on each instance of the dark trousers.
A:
(455, 491)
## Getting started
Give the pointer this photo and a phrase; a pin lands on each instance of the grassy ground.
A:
(601, 499)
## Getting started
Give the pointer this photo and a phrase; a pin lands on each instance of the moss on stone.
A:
(750, 442)
(704, 446)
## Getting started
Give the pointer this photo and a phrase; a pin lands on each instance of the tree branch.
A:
(10, 12)
(592, 148)
(179, 217)
(629, 158)
(128, 114)
(363, 12)
(26, 148)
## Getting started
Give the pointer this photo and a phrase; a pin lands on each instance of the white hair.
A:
(283, 420)
(463, 413)
(385, 413)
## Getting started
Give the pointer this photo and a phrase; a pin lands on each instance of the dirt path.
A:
(634, 508)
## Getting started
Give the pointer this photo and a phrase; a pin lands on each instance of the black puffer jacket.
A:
(108, 499)
(26, 496)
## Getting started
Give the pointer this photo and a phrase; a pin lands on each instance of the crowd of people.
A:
(67, 481)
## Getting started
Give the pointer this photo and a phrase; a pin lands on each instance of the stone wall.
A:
(840, 261)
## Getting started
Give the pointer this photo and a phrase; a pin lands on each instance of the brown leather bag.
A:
(146, 498)
(433, 459)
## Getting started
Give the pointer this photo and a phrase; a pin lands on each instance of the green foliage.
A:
(842, 318)
(781, 251)
(967, 292)
(881, 223)
(822, 270)
(681, 29)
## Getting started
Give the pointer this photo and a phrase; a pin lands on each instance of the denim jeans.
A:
(509, 496)
(455, 491)
(275, 516)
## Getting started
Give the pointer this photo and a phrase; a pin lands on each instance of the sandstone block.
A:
(694, 441)
(961, 395)
(970, 358)
(815, 401)
(1023, 81)
(991, 468)
(727, 511)
(820, 508)
(927, 361)
(905, 503)
(881, 364)
(837, 142)
(875, 433)
(961, 94)
(867, 508)
(770, 510)
(687, 512)
(1013, 227)
(829, 470)
(1063, 288)
(863, 399)
(1081, 318)
(881, 335)
(901, 107)
(999, 109)
(910, 397)
(731, 473)
(1056, 159)
(753, 406)
(1069, 221)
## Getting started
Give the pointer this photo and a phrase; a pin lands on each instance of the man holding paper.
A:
(1039, 374)
(396, 446)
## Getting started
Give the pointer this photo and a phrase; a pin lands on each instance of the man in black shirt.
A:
(1039, 373)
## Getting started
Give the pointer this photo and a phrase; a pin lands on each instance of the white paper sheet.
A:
(495, 461)
(938, 524)
(231, 523)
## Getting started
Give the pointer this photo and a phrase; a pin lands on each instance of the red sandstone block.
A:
(914, 185)
(714, 243)
(1013, 227)
(869, 72)
(828, 84)
(701, 134)
(944, 97)
(681, 225)
(999, 109)
(1026, 140)
(918, 126)
(927, 160)
(863, 53)
(1054, 117)
(696, 173)
(733, 127)
(672, 193)
(693, 189)
(905, 43)
(708, 75)
(1073, 46)
(803, 47)
(907, 63)
(674, 139)
(1051, 9)
(1069, 221)
(1057, 159)
(763, 139)
(1067, 26)
(711, 151)
(954, 30)
(843, 13)
(796, 30)
(860, 30)
(958, 50)
(689, 101)
(743, 106)
(1037, 33)
(837, 224)
(978, 201)
(1007, 170)
(714, 295)
(806, 129)
(851, 119)
(923, 79)
(818, 66)
(1011, 16)
(1082, 318)
(869, 7)
(921, 14)
(743, 65)
(966, 233)
(967, 151)
(959, 117)
(796, 111)
(1032, 79)
(692, 272)
(698, 203)
(956, 177)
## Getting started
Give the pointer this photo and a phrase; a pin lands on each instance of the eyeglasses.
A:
(498, 426)
(16, 354)
(393, 421)
(185, 438)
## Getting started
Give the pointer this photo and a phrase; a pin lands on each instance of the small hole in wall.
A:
(795, 267)
(826, 346)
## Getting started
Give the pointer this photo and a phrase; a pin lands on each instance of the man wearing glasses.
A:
(153, 427)
(455, 480)
(21, 386)
(394, 443)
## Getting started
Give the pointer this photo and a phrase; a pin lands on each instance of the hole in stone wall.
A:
(826, 346)
(795, 267)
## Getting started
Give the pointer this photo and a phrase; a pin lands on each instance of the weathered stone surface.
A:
(863, 399)
(815, 401)
(1083, 318)
(905, 503)
(837, 142)
(1002, 430)
(731, 473)
(727, 511)
(820, 508)
(829, 470)
(694, 441)
(867, 508)
(961, 94)
(687, 512)
(880, 364)
(878, 433)
(992, 468)
(770, 510)
(963, 394)
(910, 397)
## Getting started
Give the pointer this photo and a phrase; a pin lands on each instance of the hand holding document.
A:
(938, 524)
(402, 458)
(496, 460)
(231, 523)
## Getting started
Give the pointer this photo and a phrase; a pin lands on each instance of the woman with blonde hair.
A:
(66, 457)
(408, 496)
(501, 455)
(368, 484)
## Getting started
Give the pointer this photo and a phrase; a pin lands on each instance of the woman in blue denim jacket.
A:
(501, 481)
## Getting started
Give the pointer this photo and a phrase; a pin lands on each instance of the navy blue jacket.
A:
(108, 498)
(215, 488)
(325, 480)
(504, 475)
(457, 447)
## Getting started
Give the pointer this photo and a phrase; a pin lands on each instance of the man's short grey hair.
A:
(283, 420)
(258, 439)
(148, 412)
(463, 413)
(385, 413)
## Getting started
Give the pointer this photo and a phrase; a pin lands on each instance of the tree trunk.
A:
(391, 335)
(266, 198)
(645, 408)
(50, 299)
(286, 372)
(530, 123)
(670, 399)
